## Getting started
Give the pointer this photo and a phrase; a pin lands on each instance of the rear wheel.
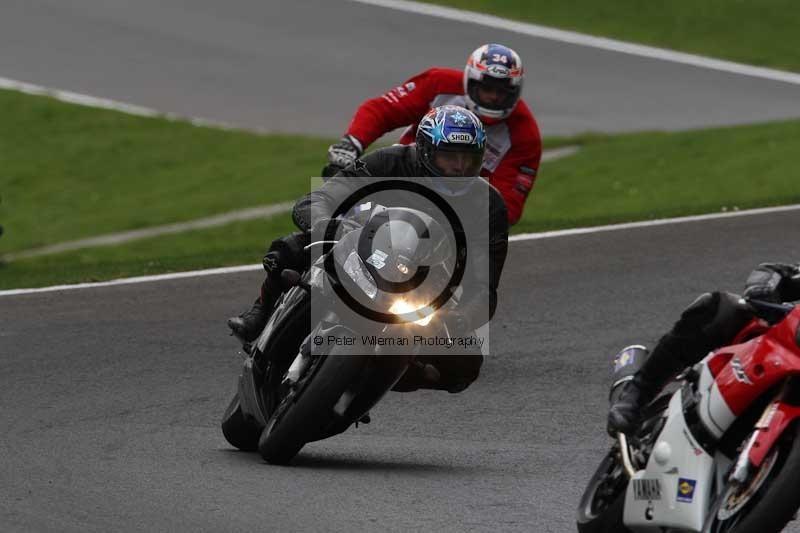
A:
(306, 412)
(768, 500)
(237, 430)
(601, 506)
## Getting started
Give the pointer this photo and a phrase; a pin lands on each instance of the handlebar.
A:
(772, 306)
(625, 455)
(317, 243)
(770, 311)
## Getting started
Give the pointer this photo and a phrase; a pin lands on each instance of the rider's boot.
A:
(625, 413)
(248, 326)
(712, 320)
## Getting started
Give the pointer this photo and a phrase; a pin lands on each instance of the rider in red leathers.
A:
(490, 86)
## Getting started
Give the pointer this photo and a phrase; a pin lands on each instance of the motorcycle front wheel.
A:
(307, 411)
(601, 506)
(768, 500)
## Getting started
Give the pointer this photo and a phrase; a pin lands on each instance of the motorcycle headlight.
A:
(360, 276)
(402, 307)
(316, 277)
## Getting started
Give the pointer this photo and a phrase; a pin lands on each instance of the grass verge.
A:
(237, 243)
(616, 178)
(68, 172)
(643, 176)
(759, 33)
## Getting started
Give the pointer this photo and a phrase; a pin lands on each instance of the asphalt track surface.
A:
(304, 66)
(111, 398)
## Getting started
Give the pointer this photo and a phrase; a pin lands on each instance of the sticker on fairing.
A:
(766, 416)
(378, 259)
(686, 490)
(646, 489)
(627, 357)
(738, 371)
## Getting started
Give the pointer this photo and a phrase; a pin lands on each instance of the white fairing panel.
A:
(673, 490)
(714, 413)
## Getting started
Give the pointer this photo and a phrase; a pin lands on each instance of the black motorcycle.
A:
(317, 369)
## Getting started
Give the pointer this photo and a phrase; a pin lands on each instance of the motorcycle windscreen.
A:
(419, 255)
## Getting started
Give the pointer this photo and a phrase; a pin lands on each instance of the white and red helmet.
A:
(498, 70)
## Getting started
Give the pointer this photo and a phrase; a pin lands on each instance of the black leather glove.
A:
(272, 263)
(286, 252)
(341, 155)
(764, 283)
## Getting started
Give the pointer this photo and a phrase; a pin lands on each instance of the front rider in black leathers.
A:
(449, 168)
(711, 321)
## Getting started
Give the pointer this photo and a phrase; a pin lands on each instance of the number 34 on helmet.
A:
(493, 81)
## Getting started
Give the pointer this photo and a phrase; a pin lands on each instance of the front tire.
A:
(601, 506)
(306, 413)
(772, 503)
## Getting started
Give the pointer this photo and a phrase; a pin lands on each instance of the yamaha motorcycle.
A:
(719, 454)
(301, 380)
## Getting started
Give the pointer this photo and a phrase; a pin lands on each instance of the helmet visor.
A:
(457, 164)
(492, 93)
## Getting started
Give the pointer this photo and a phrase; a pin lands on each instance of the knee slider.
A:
(460, 377)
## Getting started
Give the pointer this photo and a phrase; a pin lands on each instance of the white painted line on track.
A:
(555, 154)
(554, 34)
(140, 279)
(105, 103)
(513, 238)
(77, 98)
(251, 213)
(651, 223)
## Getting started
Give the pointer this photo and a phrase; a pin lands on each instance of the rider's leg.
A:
(711, 321)
(283, 253)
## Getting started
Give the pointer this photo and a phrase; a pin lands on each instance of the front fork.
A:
(299, 365)
(777, 416)
(625, 454)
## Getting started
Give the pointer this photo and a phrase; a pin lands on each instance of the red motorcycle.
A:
(719, 454)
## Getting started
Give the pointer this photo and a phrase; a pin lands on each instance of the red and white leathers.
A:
(514, 144)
